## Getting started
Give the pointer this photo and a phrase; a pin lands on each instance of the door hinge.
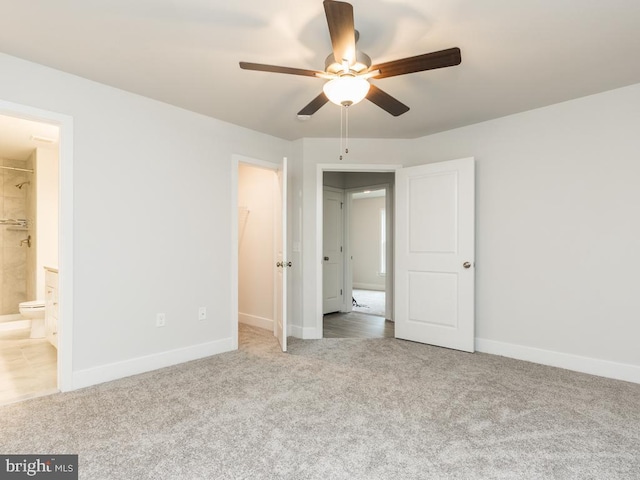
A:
(341, 205)
(340, 291)
(340, 249)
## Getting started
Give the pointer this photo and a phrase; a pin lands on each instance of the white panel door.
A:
(434, 276)
(332, 270)
(282, 264)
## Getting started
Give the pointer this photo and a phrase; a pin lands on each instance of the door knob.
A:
(288, 264)
(326, 259)
(466, 264)
(279, 264)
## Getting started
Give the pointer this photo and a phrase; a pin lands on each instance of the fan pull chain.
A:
(346, 113)
(340, 133)
(344, 130)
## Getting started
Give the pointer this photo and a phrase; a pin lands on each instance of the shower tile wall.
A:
(13, 257)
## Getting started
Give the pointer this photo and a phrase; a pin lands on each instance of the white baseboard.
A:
(368, 286)
(308, 333)
(593, 366)
(256, 321)
(126, 368)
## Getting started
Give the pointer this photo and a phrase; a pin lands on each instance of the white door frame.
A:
(65, 230)
(320, 169)
(236, 160)
(348, 270)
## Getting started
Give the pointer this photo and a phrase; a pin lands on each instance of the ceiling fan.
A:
(349, 69)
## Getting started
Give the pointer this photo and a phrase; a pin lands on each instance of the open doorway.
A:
(363, 231)
(259, 272)
(433, 233)
(257, 222)
(30, 319)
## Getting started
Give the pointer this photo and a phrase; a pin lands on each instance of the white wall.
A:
(558, 223)
(557, 228)
(151, 210)
(257, 188)
(365, 231)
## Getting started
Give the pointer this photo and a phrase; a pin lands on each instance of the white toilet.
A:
(34, 311)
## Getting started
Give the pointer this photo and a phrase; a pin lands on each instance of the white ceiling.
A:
(516, 55)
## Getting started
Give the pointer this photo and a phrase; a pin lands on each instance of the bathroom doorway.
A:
(29, 233)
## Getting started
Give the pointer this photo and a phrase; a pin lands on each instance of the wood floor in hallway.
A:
(356, 325)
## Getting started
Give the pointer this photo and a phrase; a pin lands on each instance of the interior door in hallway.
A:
(434, 276)
(332, 262)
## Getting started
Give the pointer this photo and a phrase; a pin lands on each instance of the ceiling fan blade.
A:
(314, 105)
(341, 29)
(276, 69)
(419, 63)
(386, 101)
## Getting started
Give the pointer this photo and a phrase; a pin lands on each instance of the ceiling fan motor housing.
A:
(362, 63)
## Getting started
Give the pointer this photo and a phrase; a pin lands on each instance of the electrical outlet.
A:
(202, 313)
(161, 320)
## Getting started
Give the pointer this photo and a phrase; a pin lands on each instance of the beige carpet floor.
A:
(340, 409)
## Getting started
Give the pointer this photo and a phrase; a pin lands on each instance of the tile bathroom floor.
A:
(28, 367)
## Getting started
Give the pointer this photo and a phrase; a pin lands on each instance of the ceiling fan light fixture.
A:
(346, 90)
(348, 69)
